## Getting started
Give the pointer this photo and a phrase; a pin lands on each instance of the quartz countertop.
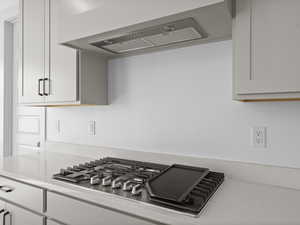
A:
(236, 202)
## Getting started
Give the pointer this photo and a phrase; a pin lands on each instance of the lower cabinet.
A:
(24, 204)
(14, 215)
(2, 210)
(76, 212)
(19, 216)
(22, 194)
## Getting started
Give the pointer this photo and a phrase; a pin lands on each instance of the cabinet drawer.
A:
(22, 194)
(71, 211)
(19, 216)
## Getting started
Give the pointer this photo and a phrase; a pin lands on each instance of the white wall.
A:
(7, 5)
(179, 101)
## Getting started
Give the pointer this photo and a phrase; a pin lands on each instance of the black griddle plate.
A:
(175, 183)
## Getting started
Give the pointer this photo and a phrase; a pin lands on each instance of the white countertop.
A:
(236, 202)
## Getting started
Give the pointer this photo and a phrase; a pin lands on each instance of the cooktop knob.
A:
(128, 185)
(95, 180)
(116, 183)
(106, 181)
(137, 189)
(63, 172)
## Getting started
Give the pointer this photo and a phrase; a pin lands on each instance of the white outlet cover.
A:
(92, 127)
(259, 137)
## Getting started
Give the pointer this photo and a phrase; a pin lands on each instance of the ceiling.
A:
(5, 4)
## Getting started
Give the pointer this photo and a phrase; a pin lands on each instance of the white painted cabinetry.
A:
(266, 36)
(14, 215)
(31, 200)
(19, 216)
(63, 60)
(32, 63)
(23, 194)
(51, 74)
(2, 210)
(24, 204)
(78, 213)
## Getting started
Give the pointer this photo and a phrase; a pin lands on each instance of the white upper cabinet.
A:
(32, 68)
(266, 38)
(52, 74)
(63, 60)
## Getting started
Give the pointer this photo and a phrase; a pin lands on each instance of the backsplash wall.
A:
(179, 101)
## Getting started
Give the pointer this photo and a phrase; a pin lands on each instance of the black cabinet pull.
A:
(39, 87)
(6, 188)
(44, 87)
(3, 220)
(6, 213)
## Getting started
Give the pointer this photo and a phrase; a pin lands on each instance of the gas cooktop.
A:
(181, 188)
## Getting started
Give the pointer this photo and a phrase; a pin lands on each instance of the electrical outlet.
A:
(92, 127)
(259, 137)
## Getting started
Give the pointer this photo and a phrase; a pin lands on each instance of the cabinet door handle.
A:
(2, 211)
(39, 87)
(44, 87)
(6, 213)
(6, 188)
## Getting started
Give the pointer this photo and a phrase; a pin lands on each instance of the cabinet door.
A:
(2, 211)
(19, 216)
(80, 213)
(63, 63)
(32, 67)
(267, 50)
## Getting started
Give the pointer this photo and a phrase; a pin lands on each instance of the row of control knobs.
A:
(125, 184)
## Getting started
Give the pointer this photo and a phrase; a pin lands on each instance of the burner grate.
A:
(199, 195)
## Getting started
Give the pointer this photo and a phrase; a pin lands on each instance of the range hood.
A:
(200, 25)
(151, 37)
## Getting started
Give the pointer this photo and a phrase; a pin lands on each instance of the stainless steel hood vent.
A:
(155, 36)
(125, 32)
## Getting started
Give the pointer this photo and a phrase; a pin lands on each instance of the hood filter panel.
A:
(161, 35)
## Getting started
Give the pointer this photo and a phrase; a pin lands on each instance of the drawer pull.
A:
(46, 93)
(6, 213)
(6, 188)
(39, 87)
